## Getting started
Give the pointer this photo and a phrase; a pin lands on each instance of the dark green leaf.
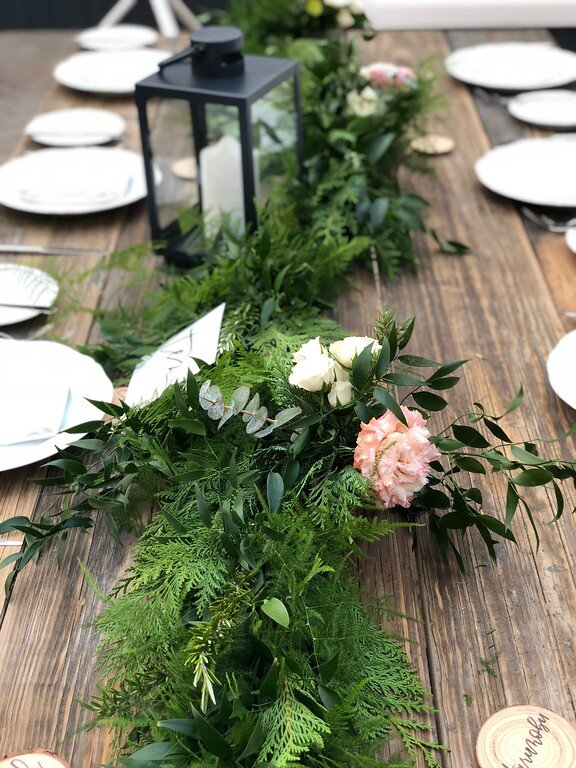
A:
(533, 477)
(378, 211)
(187, 727)
(209, 736)
(470, 436)
(429, 401)
(379, 146)
(470, 464)
(384, 397)
(328, 696)
(267, 311)
(362, 367)
(383, 360)
(525, 457)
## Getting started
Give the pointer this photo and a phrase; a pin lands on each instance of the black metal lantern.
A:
(217, 135)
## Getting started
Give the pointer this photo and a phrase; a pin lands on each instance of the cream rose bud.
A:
(337, 3)
(312, 348)
(348, 349)
(365, 103)
(356, 7)
(313, 373)
(341, 373)
(340, 394)
(344, 19)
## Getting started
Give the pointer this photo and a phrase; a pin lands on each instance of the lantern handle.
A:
(194, 50)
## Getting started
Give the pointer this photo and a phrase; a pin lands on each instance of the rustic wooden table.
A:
(502, 635)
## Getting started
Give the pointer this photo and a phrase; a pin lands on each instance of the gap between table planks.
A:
(479, 304)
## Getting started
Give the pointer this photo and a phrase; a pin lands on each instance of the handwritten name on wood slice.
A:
(35, 758)
(526, 737)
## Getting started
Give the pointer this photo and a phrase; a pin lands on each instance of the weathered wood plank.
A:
(502, 635)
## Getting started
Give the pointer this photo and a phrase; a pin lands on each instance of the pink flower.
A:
(384, 75)
(394, 457)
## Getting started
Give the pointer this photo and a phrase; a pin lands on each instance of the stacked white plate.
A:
(114, 73)
(547, 109)
(75, 127)
(122, 37)
(515, 66)
(536, 171)
(44, 388)
(32, 288)
(72, 181)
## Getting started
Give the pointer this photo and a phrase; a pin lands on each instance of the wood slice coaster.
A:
(432, 144)
(526, 737)
(35, 758)
(185, 168)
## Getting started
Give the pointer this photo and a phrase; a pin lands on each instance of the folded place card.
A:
(172, 361)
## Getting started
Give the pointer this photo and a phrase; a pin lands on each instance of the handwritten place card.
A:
(172, 361)
(526, 737)
(36, 758)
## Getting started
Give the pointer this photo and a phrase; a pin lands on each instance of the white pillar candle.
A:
(222, 185)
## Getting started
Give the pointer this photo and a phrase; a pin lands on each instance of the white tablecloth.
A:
(466, 14)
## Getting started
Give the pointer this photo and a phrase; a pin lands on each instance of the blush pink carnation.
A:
(394, 457)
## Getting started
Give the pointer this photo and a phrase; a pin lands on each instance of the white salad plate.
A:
(75, 127)
(536, 171)
(548, 109)
(27, 286)
(122, 37)
(172, 361)
(514, 66)
(44, 387)
(72, 182)
(561, 367)
(114, 73)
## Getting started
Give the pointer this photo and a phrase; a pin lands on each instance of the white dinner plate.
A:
(87, 379)
(24, 285)
(513, 66)
(107, 72)
(561, 367)
(72, 181)
(75, 127)
(122, 37)
(548, 109)
(536, 171)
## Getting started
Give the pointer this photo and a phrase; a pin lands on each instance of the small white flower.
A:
(364, 103)
(313, 374)
(312, 348)
(344, 19)
(340, 394)
(314, 368)
(347, 350)
(356, 7)
(337, 3)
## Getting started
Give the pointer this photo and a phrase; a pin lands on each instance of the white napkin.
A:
(33, 392)
(65, 183)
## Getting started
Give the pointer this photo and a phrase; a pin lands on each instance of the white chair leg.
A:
(117, 13)
(187, 17)
(165, 18)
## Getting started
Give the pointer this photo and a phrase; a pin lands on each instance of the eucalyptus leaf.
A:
(276, 610)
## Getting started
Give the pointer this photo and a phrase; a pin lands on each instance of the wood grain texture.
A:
(500, 636)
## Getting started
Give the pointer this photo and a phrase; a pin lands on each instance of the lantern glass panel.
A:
(171, 137)
(275, 131)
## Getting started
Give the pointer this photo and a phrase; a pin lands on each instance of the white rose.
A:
(344, 19)
(341, 373)
(364, 103)
(337, 3)
(340, 394)
(311, 349)
(312, 374)
(348, 349)
(356, 7)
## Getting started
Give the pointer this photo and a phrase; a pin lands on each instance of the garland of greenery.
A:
(238, 637)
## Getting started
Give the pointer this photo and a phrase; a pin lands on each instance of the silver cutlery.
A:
(546, 222)
(41, 251)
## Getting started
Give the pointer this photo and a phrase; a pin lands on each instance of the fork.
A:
(545, 222)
